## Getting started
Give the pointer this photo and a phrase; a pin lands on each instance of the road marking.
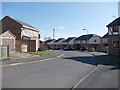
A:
(84, 78)
(14, 64)
(74, 87)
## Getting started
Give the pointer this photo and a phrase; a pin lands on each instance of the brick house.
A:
(8, 39)
(58, 44)
(105, 43)
(69, 42)
(41, 44)
(114, 37)
(88, 41)
(50, 44)
(27, 37)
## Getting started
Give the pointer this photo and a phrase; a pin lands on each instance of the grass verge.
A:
(43, 53)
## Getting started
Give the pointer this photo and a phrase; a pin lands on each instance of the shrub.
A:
(42, 48)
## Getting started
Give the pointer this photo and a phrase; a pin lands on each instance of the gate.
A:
(4, 52)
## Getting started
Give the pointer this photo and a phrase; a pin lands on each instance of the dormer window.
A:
(115, 29)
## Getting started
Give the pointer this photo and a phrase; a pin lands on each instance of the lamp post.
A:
(87, 37)
(53, 38)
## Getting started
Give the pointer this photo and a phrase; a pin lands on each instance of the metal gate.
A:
(4, 52)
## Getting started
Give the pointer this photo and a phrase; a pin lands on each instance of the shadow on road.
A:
(109, 61)
(105, 60)
(87, 59)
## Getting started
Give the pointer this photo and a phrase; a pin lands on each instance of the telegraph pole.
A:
(53, 38)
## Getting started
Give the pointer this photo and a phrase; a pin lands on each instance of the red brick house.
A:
(114, 37)
(27, 37)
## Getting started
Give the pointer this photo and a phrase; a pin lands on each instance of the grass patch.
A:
(43, 53)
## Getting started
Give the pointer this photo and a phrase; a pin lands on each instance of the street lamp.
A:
(87, 37)
(53, 39)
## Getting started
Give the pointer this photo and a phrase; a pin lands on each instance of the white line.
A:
(14, 64)
(85, 76)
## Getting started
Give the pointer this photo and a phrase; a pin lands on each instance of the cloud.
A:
(61, 27)
(63, 35)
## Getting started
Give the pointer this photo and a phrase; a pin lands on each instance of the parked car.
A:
(83, 49)
(68, 49)
(57, 48)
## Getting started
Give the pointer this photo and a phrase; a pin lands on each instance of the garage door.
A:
(9, 42)
(32, 46)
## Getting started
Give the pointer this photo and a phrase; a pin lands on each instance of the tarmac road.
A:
(63, 72)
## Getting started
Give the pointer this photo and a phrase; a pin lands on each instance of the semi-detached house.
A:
(88, 41)
(50, 43)
(27, 37)
(58, 44)
(69, 43)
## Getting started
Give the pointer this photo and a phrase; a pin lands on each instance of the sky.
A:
(68, 18)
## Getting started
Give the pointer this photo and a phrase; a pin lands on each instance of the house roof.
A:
(50, 40)
(105, 45)
(9, 33)
(58, 39)
(68, 39)
(105, 36)
(40, 41)
(85, 37)
(116, 22)
(22, 23)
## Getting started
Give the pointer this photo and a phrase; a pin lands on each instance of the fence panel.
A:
(4, 52)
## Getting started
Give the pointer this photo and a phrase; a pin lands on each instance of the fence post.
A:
(8, 52)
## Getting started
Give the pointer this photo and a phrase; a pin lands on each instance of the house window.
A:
(39, 36)
(116, 44)
(94, 40)
(115, 29)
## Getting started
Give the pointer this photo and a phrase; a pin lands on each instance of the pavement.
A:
(24, 58)
(105, 76)
(72, 71)
(20, 55)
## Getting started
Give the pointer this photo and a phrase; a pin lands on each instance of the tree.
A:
(47, 38)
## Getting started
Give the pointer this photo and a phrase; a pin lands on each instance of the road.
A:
(63, 72)
(105, 76)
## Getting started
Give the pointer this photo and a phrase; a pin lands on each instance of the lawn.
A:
(43, 53)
